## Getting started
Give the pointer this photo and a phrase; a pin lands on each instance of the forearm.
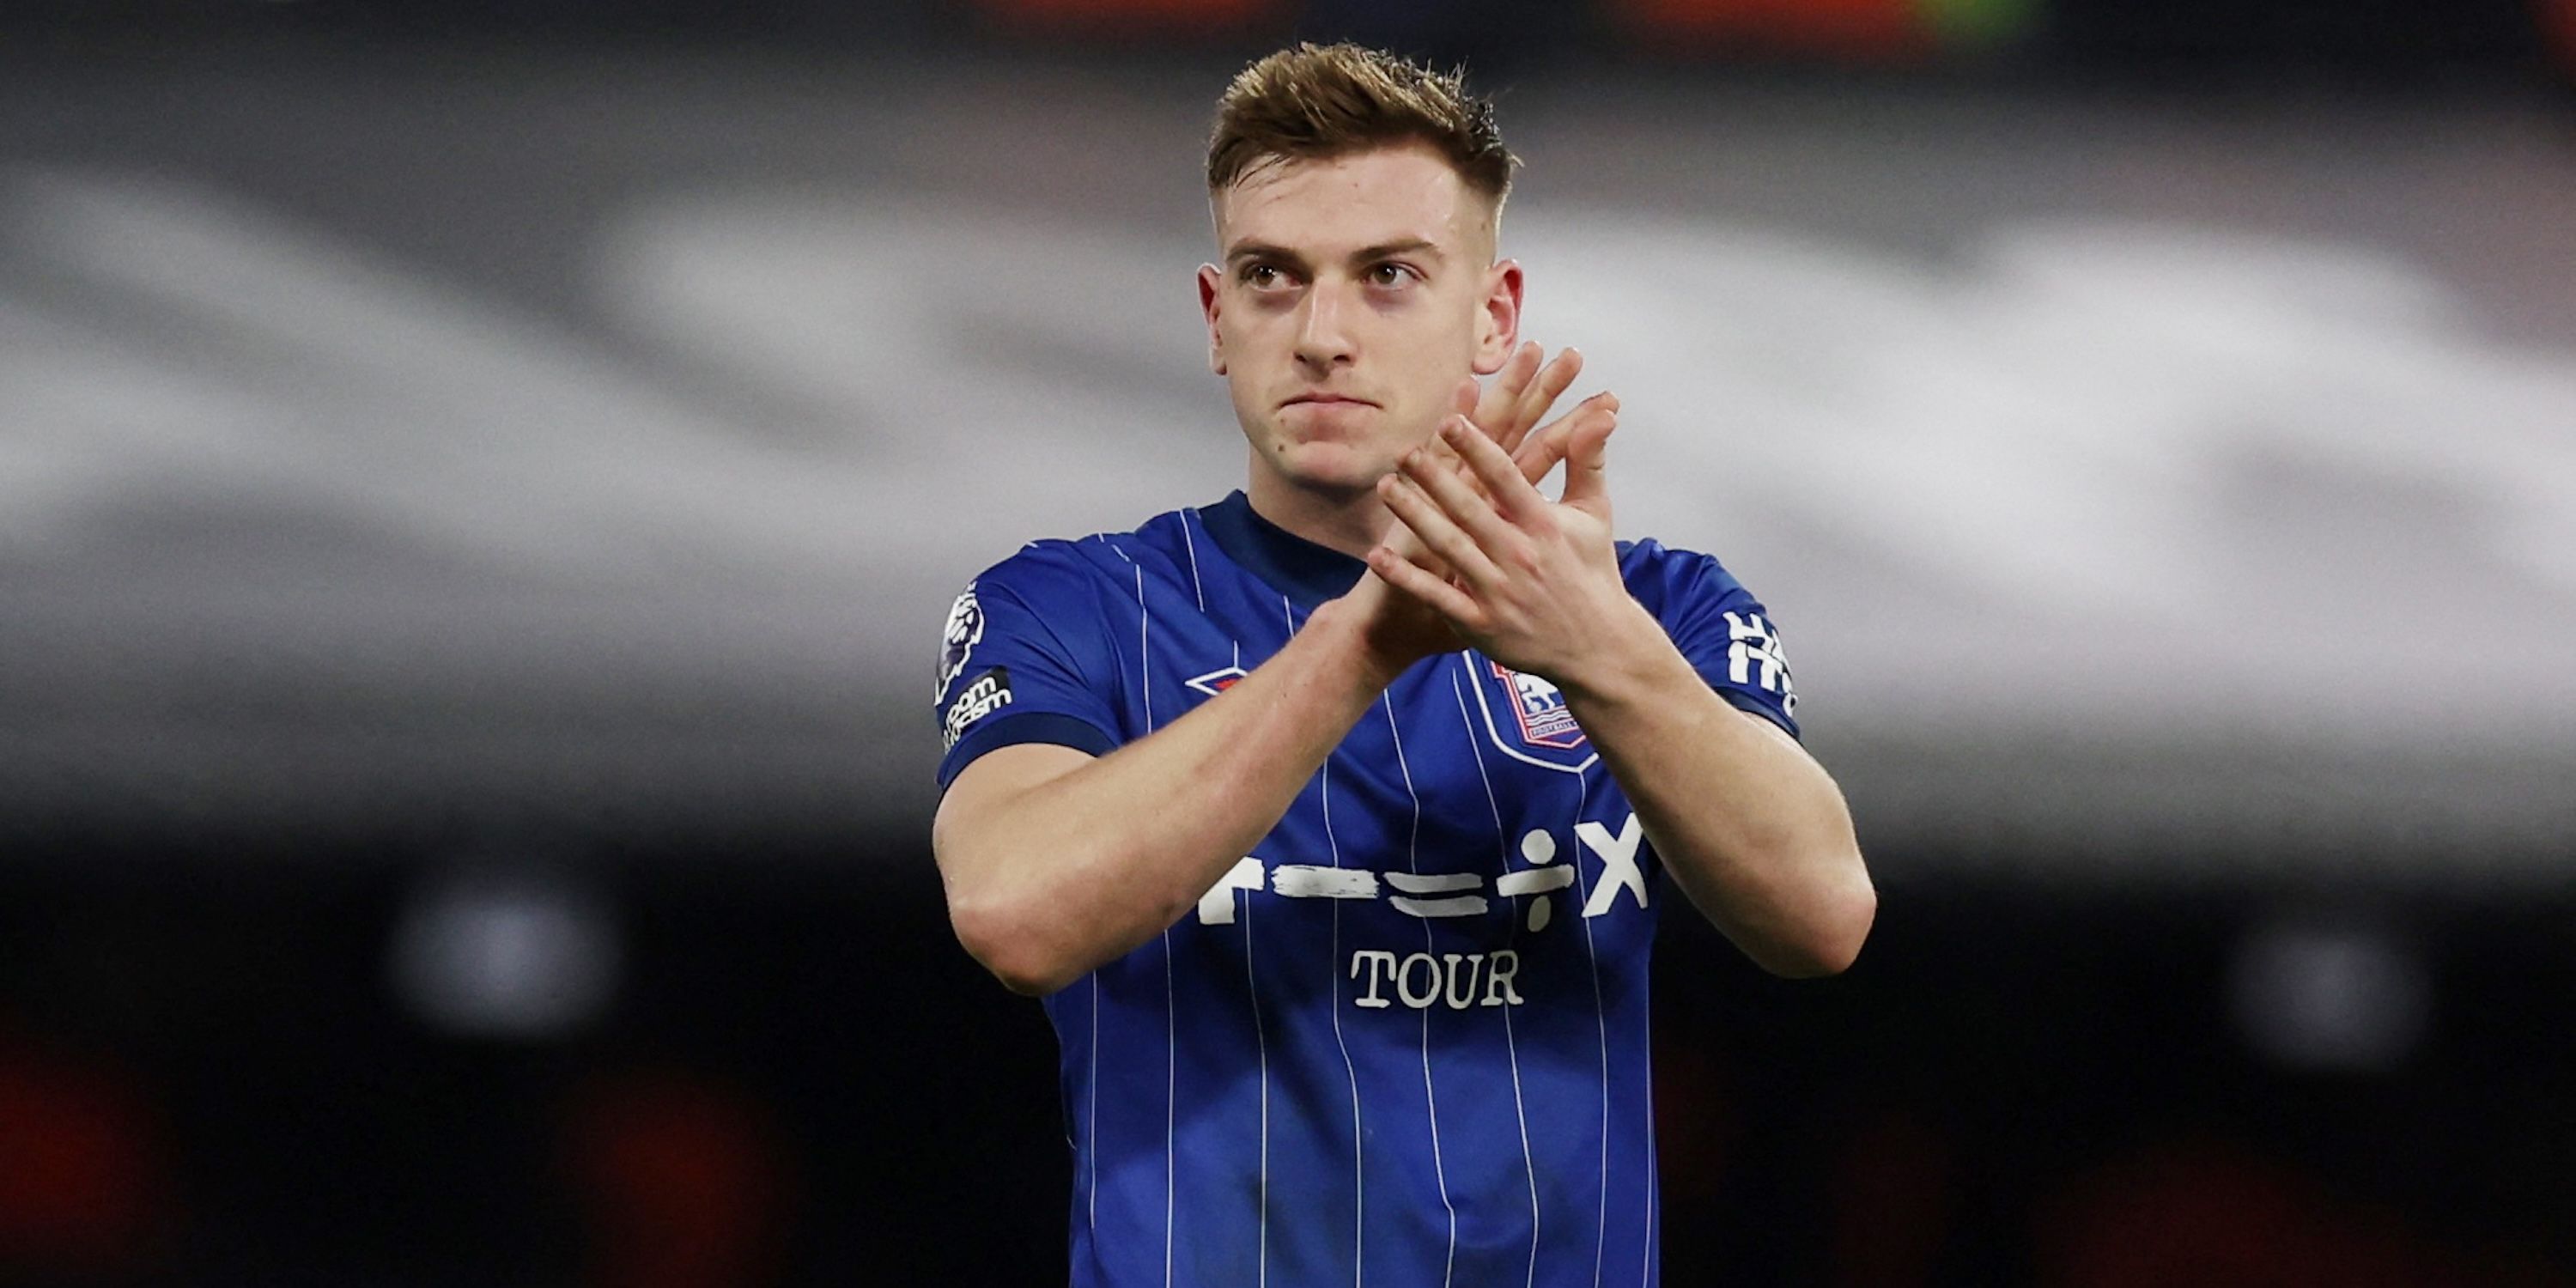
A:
(1749, 826)
(1059, 877)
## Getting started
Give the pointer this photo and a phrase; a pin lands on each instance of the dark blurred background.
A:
(480, 482)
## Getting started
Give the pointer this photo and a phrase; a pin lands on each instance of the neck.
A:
(1352, 523)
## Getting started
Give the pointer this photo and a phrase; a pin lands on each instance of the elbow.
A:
(1011, 943)
(1008, 929)
(1829, 939)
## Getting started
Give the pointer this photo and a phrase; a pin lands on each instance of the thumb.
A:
(1587, 481)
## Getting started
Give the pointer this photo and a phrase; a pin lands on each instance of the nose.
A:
(1323, 341)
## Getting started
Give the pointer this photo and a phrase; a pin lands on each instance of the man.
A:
(1332, 820)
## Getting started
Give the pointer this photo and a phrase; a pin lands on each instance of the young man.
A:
(1332, 820)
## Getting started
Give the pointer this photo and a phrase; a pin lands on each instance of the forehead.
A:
(1370, 198)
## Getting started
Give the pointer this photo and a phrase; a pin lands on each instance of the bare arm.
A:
(1056, 862)
(1752, 829)
(1750, 826)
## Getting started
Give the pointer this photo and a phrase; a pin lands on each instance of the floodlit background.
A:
(480, 482)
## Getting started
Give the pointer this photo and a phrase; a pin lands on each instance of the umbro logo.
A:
(1216, 682)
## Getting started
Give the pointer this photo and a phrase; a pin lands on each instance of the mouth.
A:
(1326, 400)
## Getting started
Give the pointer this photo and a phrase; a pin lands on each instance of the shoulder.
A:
(1725, 632)
(1053, 570)
(1041, 572)
(1662, 576)
(1046, 596)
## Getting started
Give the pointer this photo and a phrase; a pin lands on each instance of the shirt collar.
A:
(1307, 573)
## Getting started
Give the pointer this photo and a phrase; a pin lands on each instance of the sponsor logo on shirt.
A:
(982, 696)
(957, 642)
(1459, 980)
(1379, 978)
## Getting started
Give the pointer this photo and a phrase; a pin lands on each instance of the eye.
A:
(1262, 277)
(1390, 273)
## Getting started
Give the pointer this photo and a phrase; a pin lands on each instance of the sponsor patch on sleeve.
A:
(982, 695)
(1754, 657)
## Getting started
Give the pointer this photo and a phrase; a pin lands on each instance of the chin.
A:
(1333, 468)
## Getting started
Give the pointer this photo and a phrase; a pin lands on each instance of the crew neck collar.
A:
(1307, 573)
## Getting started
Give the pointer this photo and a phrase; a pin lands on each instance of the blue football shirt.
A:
(1403, 1042)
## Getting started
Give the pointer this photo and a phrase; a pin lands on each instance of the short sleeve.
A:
(1021, 659)
(1729, 638)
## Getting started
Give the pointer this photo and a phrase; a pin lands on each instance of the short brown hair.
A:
(1319, 101)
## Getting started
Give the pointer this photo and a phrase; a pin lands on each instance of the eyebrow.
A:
(1366, 254)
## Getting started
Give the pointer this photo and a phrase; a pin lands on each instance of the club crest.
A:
(1527, 718)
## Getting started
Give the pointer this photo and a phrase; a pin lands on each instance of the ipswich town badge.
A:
(1527, 718)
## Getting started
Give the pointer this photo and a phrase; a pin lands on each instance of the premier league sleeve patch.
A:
(1026, 656)
(964, 631)
(981, 696)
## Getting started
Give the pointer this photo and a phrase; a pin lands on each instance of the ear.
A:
(1207, 305)
(1498, 322)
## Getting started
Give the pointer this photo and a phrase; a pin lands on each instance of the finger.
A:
(1493, 413)
(1442, 597)
(1462, 400)
(1462, 495)
(1430, 523)
(1509, 493)
(1540, 454)
(1561, 430)
(1550, 385)
(1408, 543)
(1547, 447)
(1603, 399)
(1587, 480)
(1445, 454)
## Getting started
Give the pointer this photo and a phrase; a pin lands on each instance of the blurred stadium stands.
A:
(478, 483)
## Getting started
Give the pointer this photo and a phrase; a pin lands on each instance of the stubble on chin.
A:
(1331, 471)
